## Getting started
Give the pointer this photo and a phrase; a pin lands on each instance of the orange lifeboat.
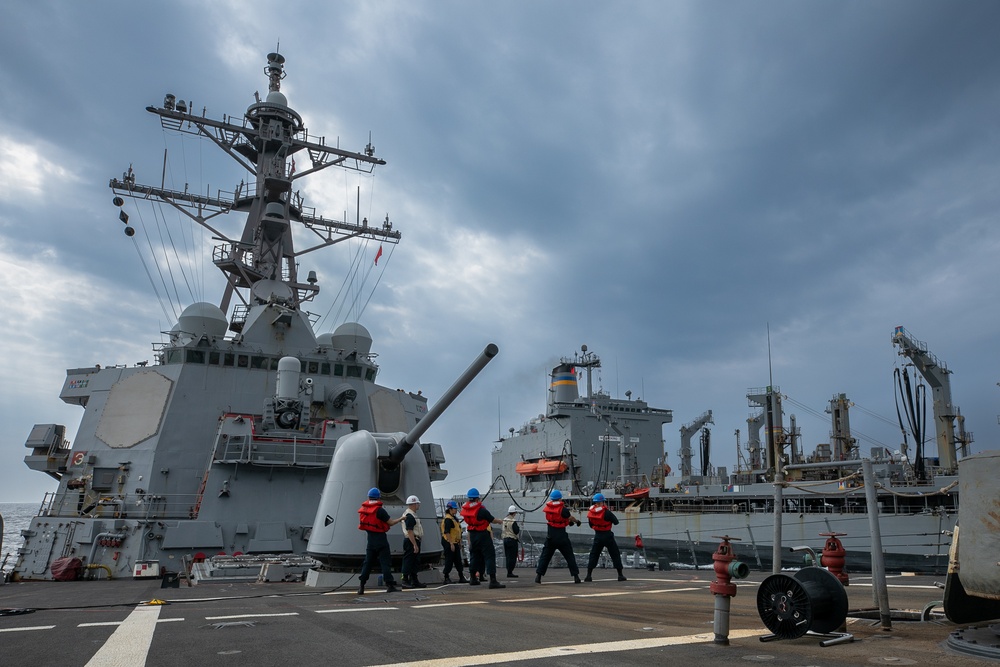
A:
(526, 468)
(551, 467)
(638, 494)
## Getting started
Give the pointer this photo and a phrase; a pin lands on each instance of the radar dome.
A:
(325, 339)
(203, 318)
(277, 97)
(351, 337)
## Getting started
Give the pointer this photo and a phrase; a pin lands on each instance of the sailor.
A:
(451, 542)
(375, 521)
(601, 519)
(413, 533)
(511, 535)
(482, 554)
(557, 516)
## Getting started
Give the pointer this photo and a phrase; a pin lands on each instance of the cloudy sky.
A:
(664, 182)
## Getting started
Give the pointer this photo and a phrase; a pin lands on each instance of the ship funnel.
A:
(398, 452)
(564, 388)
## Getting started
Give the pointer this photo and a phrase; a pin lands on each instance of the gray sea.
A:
(16, 517)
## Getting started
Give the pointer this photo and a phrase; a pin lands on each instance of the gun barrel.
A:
(398, 452)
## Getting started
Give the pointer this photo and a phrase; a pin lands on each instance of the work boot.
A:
(462, 579)
(391, 588)
(473, 581)
(361, 589)
(538, 578)
(415, 583)
(576, 579)
(621, 577)
(511, 575)
(496, 584)
(447, 579)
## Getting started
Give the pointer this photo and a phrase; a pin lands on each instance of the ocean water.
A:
(16, 517)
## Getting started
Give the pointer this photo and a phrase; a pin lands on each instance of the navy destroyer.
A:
(591, 443)
(226, 443)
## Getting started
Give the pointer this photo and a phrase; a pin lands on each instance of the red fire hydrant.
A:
(834, 557)
(726, 568)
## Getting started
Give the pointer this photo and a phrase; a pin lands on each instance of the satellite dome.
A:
(325, 339)
(203, 318)
(352, 337)
(277, 97)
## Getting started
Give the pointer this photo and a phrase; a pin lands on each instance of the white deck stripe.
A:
(448, 604)
(97, 625)
(551, 597)
(129, 644)
(341, 611)
(566, 652)
(34, 627)
(222, 618)
(662, 590)
(673, 590)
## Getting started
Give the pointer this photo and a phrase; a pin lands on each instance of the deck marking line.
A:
(221, 618)
(33, 627)
(448, 604)
(339, 611)
(551, 597)
(563, 652)
(673, 590)
(129, 644)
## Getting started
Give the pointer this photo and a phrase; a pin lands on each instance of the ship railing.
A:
(291, 451)
(143, 506)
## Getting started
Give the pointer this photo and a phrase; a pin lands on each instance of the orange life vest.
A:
(597, 519)
(369, 521)
(554, 514)
(470, 512)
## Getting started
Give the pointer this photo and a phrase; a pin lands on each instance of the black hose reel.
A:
(810, 601)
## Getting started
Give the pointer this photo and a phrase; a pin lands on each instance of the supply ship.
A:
(592, 442)
(223, 444)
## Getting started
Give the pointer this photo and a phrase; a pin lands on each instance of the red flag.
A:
(378, 254)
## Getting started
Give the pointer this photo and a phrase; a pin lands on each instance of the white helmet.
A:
(413, 500)
(512, 509)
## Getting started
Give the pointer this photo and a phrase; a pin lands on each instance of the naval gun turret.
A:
(390, 462)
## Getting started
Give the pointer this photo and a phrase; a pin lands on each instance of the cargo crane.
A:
(946, 415)
(687, 432)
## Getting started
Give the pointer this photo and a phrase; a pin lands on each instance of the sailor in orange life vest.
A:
(558, 516)
(601, 519)
(451, 543)
(482, 554)
(375, 522)
(413, 533)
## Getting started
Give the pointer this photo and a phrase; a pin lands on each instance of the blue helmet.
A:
(374, 494)
(598, 497)
(452, 505)
(473, 493)
(555, 495)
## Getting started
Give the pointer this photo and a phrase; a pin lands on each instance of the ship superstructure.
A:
(222, 444)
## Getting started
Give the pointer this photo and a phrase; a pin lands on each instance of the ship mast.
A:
(262, 262)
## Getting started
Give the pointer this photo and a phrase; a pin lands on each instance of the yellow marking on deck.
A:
(564, 652)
